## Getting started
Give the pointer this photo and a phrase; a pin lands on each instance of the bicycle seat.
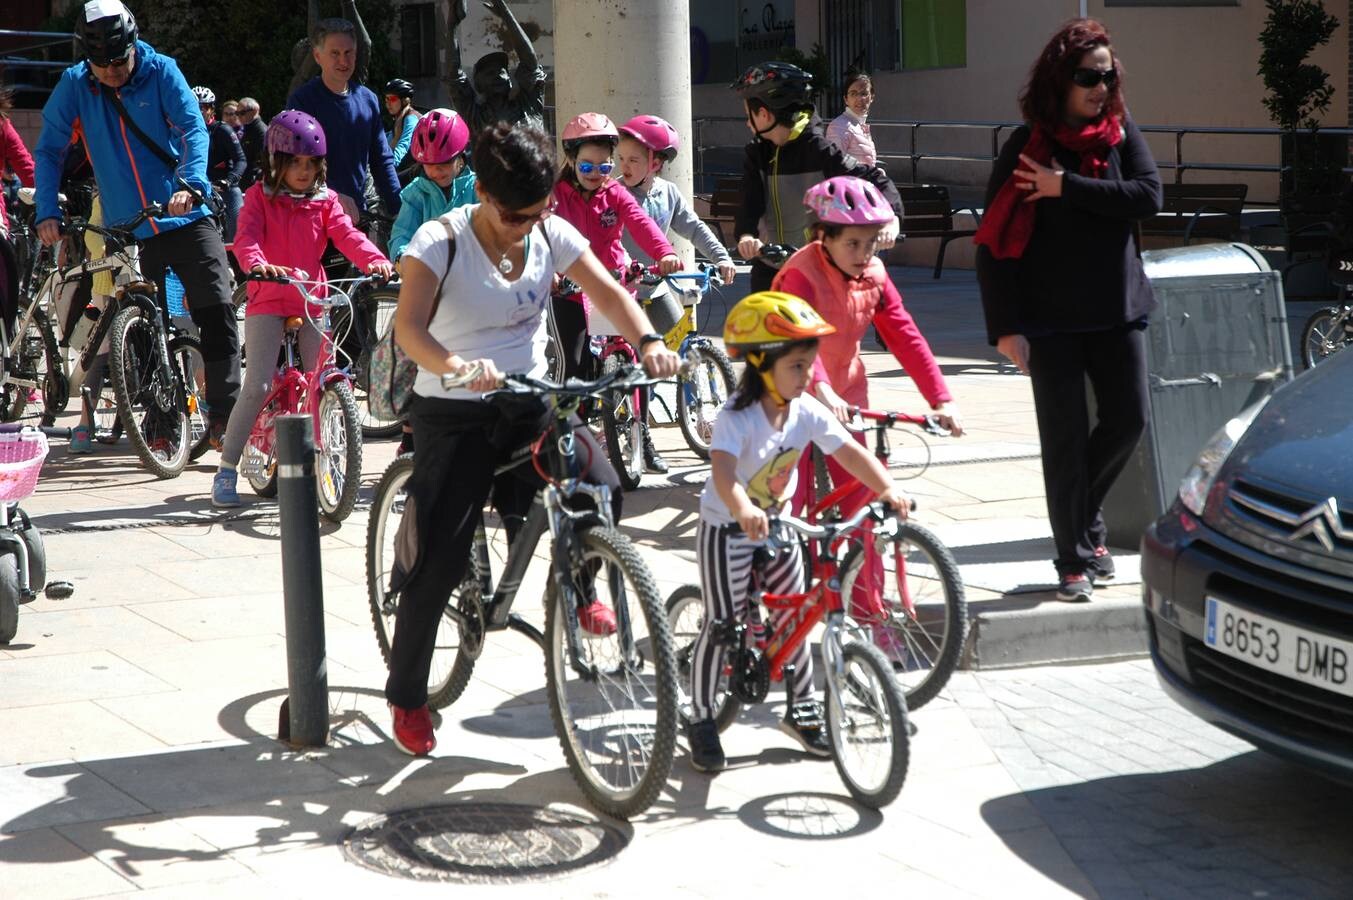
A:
(294, 323)
(28, 196)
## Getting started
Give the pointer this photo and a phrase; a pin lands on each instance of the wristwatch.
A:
(650, 338)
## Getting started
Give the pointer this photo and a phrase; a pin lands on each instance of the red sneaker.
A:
(413, 730)
(597, 618)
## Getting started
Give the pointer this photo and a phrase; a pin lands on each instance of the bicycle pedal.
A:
(58, 590)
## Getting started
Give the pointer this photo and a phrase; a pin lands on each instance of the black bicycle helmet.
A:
(399, 87)
(779, 85)
(108, 37)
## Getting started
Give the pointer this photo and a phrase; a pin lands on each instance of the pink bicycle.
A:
(324, 393)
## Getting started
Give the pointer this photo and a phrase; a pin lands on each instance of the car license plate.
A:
(1281, 647)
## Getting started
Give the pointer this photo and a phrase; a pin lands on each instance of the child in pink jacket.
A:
(601, 208)
(842, 279)
(285, 222)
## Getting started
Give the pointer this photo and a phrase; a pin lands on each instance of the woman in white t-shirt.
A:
(754, 453)
(490, 313)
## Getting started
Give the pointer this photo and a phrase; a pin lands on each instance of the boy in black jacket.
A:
(789, 155)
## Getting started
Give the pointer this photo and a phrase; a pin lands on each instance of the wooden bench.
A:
(927, 212)
(723, 208)
(1199, 210)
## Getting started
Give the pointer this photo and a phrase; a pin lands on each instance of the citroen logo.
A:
(1323, 523)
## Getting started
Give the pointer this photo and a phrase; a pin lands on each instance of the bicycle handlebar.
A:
(625, 377)
(775, 255)
(928, 423)
(50, 431)
(876, 511)
(121, 232)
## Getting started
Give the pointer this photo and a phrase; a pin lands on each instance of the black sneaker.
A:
(803, 722)
(652, 461)
(706, 751)
(1101, 567)
(1075, 588)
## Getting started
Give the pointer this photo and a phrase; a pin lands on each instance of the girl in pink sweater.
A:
(285, 222)
(848, 285)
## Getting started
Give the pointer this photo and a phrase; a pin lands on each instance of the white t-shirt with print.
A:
(768, 458)
(483, 315)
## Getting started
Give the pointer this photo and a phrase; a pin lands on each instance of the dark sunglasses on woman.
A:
(1088, 78)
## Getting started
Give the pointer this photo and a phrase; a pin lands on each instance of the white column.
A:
(625, 57)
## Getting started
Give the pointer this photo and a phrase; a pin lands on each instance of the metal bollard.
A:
(305, 714)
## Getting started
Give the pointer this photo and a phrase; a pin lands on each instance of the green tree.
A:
(1297, 90)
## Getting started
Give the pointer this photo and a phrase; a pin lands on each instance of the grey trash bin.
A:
(1217, 342)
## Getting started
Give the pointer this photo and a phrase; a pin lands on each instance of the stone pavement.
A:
(138, 718)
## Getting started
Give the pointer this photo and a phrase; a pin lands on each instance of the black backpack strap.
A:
(164, 155)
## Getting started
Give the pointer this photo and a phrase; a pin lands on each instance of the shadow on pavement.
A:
(1250, 826)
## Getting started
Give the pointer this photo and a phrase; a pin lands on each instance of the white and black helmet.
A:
(204, 96)
(106, 30)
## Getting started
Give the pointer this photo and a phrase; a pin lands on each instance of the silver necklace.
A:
(504, 264)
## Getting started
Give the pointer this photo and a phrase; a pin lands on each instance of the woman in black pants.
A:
(1062, 283)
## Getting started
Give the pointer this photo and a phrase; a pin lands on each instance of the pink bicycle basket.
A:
(21, 456)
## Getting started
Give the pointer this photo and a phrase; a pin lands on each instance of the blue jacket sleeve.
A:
(180, 108)
(382, 165)
(58, 122)
(406, 223)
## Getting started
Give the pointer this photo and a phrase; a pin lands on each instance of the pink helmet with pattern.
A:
(654, 133)
(847, 200)
(439, 137)
(295, 132)
(590, 126)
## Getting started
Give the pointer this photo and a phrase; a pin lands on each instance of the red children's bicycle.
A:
(325, 394)
(865, 709)
(903, 585)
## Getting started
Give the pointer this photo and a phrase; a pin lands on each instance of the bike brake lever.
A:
(933, 426)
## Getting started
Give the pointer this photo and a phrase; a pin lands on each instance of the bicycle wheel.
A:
(187, 353)
(867, 726)
(9, 597)
(685, 618)
(1323, 335)
(378, 306)
(623, 427)
(923, 608)
(451, 668)
(614, 707)
(258, 463)
(37, 360)
(338, 462)
(554, 353)
(154, 413)
(701, 393)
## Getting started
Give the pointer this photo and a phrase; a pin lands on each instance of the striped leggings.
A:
(724, 556)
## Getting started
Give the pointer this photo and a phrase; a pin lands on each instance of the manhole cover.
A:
(482, 842)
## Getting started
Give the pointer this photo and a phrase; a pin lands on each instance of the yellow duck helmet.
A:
(768, 320)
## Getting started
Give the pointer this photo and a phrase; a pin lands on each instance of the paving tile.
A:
(85, 629)
(45, 680)
(58, 731)
(44, 863)
(202, 619)
(56, 793)
(153, 852)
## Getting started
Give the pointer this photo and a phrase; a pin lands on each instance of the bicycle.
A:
(612, 699)
(922, 600)
(23, 557)
(324, 393)
(1326, 332)
(150, 364)
(865, 709)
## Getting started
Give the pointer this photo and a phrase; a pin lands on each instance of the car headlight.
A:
(1198, 480)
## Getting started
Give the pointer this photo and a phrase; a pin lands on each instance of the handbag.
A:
(392, 371)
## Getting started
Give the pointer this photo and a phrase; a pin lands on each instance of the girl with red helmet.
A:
(602, 209)
(287, 220)
(840, 275)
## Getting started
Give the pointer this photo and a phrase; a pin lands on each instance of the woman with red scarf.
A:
(1063, 288)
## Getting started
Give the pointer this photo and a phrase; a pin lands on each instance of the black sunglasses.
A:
(1088, 78)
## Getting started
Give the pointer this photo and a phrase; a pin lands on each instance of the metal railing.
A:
(912, 155)
(34, 57)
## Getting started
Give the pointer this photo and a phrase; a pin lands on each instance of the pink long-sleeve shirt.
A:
(602, 217)
(13, 155)
(282, 230)
(851, 305)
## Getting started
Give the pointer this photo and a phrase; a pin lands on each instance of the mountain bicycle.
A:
(612, 698)
(865, 709)
(324, 393)
(921, 603)
(1327, 331)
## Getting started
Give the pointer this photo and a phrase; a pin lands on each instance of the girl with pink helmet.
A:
(602, 209)
(287, 220)
(843, 279)
(440, 144)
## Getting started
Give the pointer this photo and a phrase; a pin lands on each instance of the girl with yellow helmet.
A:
(754, 452)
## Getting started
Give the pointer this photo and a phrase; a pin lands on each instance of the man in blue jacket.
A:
(351, 117)
(166, 163)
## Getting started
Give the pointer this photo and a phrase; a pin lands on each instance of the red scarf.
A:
(1009, 221)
